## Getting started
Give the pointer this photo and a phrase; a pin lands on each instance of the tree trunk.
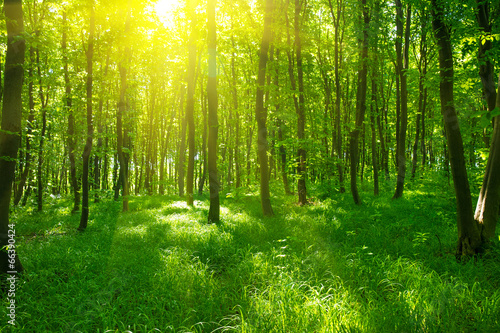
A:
(190, 105)
(99, 151)
(71, 122)
(213, 123)
(90, 127)
(11, 128)
(301, 116)
(203, 177)
(261, 112)
(469, 239)
(402, 69)
(486, 212)
(486, 70)
(360, 104)
(487, 208)
(236, 111)
(338, 130)
(123, 161)
(182, 148)
(373, 114)
(282, 149)
(29, 125)
(43, 105)
(422, 99)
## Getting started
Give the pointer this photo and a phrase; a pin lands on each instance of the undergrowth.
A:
(331, 266)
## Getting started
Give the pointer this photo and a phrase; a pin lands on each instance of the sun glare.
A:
(165, 10)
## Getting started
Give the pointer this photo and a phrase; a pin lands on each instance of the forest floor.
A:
(331, 266)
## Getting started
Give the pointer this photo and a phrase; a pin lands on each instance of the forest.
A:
(249, 166)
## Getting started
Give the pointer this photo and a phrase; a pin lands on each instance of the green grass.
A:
(387, 266)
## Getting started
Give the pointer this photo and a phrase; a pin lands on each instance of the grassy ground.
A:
(387, 266)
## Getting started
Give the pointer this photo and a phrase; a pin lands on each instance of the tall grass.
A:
(387, 266)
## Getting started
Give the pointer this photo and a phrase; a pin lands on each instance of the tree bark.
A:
(190, 105)
(486, 213)
(237, 113)
(43, 105)
(11, 126)
(261, 112)
(469, 239)
(301, 116)
(486, 69)
(422, 98)
(360, 104)
(373, 114)
(29, 124)
(90, 127)
(213, 123)
(71, 121)
(338, 130)
(487, 208)
(402, 69)
(182, 148)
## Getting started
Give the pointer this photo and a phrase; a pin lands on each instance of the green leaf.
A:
(485, 122)
(495, 112)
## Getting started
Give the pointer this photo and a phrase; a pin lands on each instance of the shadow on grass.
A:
(330, 266)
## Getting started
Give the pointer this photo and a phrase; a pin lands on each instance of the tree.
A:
(360, 103)
(213, 123)
(90, 127)
(301, 117)
(469, 239)
(489, 198)
(261, 111)
(11, 123)
(401, 71)
(422, 94)
(337, 138)
(122, 132)
(487, 205)
(71, 119)
(191, 83)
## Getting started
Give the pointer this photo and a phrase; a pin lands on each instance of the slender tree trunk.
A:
(203, 177)
(71, 122)
(486, 69)
(99, 151)
(122, 105)
(11, 127)
(90, 127)
(190, 106)
(213, 123)
(360, 104)
(373, 114)
(29, 125)
(301, 117)
(469, 238)
(43, 101)
(282, 149)
(487, 208)
(236, 111)
(182, 148)
(422, 99)
(338, 129)
(402, 69)
(486, 212)
(261, 111)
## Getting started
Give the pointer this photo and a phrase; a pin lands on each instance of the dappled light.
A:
(249, 166)
(319, 267)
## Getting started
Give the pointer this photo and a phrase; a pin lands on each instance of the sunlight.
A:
(165, 10)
